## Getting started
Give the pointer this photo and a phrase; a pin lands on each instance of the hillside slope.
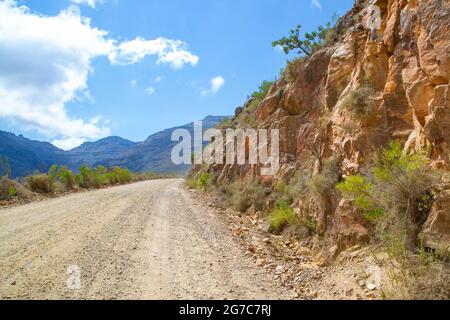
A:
(27, 156)
(154, 153)
(91, 153)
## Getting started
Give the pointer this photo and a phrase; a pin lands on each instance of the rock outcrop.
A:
(402, 70)
(436, 231)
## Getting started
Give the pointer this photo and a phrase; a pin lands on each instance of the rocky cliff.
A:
(370, 87)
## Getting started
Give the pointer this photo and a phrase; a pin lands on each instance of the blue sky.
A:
(134, 94)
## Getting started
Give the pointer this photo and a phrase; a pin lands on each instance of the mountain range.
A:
(27, 156)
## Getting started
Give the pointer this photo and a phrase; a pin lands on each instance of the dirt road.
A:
(147, 240)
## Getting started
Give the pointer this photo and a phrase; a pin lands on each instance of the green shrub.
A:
(294, 68)
(356, 101)
(241, 196)
(247, 118)
(240, 201)
(200, 179)
(361, 190)
(53, 173)
(325, 182)
(203, 180)
(323, 185)
(121, 175)
(263, 90)
(144, 176)
(7, 188)
(67, 178)
(299, 185)
(374, 215)
(62, 176)
(58, 187)
(297, 188)
(79, 180)
(12, 192)
(257, 194)
(420, 275)
(100, 177)
(400, 185)
(12, 189)
(100, 180)
(87, 175)
(40, 183)
(310, 223)
(284, 192)
(281, 217)
(100, 170)
(225, 124)
(190, 181)
(231, 194)
(60, 179)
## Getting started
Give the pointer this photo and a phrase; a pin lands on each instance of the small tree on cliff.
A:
(307, 46)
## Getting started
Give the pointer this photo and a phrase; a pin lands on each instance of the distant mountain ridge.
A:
(27, 156)
(154, 153)
(91, 153)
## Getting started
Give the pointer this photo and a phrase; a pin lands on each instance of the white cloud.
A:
(45, 62)
(90, 3)
(158, 79)
(150, 91)
(316, 4)
(133, 82)
(216, 84)
(69, 143)
(173, 52)
(41, 70)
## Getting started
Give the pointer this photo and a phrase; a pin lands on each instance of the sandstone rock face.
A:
(406, 66)
(349, 226)
(436, 232)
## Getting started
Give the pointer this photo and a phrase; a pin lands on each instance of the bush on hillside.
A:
(62, 178)
(262, 91)
(200, 179)
(242, 196)
(356, 101)
(122, 175)
(281, 217)
(293, 69)
(144, 176)
(39, 183)
(10, 189)
(87, 175)
(323, 184)
(67, 178)
(399, 189)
